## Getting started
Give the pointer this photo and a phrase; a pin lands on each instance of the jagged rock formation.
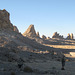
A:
(56, 35)
(11, 39)
(37, 34)
(4, 20)
(16, 50)
(16, 29)
(15, 42)
(48, 37)
(30, 31)
(44, 37)
(70, 36)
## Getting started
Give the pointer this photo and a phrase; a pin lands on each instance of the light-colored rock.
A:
(16, 29)
(4, 20)
(56, 35)
(37, 34)
(68, 36)
(44, 37)
(72, 54)
(30, 31)
(72, 37)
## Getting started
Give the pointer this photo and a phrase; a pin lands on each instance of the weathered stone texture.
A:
(37, 34)
(16, 29)
(56, 35)
(30, 31)
(70, 36)
(4, 20)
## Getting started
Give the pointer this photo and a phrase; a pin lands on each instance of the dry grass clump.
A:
(27, 69)
(62, 46)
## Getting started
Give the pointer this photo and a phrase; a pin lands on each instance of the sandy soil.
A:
(46, 68)
(62, 46)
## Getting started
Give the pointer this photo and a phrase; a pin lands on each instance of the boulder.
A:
(68, 36)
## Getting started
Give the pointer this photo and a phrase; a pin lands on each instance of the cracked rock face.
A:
(30, 31)
(4, 20)
(56, 35)
(16, 29)
(70, 36)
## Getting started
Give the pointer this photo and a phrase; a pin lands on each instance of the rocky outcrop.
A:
(70, 36)
(4, 20)
(37, 34)
(44, 37)
(16, 29)
(56, 35)
(48, 37)
(30, 31)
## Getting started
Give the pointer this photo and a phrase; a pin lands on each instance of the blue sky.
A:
(48, 16)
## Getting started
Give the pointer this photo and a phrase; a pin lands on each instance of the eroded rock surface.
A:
(70, 36)
(30, 31)
(56, 35)
(37, 34)
(16, 29)
(4, 20)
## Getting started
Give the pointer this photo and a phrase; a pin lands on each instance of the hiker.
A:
(63, 62)
(20, 63)
(52, 53)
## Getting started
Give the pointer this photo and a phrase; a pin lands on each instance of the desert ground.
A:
(30, 54)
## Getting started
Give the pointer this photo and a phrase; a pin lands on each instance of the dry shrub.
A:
(28, 69)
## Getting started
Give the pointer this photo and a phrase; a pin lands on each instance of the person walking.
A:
(20, 63)
(63, 62)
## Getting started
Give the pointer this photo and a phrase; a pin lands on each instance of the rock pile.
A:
(56, 35)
